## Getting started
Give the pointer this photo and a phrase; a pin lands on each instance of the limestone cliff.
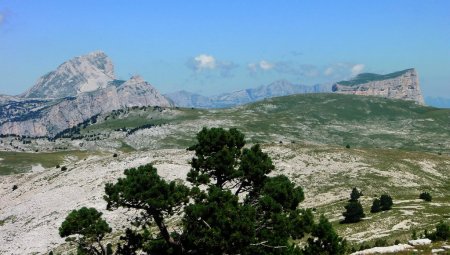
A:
(399, 85)
(68, 112)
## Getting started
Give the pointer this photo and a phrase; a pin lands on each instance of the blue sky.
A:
(211, 47)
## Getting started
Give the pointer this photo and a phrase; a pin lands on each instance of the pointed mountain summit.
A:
(81, 74)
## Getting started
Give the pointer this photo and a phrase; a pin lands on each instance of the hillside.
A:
(334, 119)
(396, 147)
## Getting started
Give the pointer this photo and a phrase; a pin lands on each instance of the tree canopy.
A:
(91, 228)
(386, 202)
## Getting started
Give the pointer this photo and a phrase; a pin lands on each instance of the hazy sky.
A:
(219, 46)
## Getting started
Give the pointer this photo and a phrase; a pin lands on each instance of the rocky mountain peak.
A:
(81, 74)
(136, 79)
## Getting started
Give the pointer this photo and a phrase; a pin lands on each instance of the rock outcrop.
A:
(399, 85)
(81, 74)
(68, 112)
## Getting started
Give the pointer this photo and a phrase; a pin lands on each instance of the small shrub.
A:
(381, 243)
(397, 242)
(64, 168)
(442, 232)
(14, 187)
(115, 155)
(414, 235)
(347, 146)
(376, 206)
(386, 202)
(58, 166)
(425, 196)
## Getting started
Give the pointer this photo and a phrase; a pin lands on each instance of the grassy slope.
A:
(367, 122)
(19, 162)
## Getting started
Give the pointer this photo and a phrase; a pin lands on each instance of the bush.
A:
(386, 202)
(442, 232)
(14, 187)
(414, 235)
(64, 168)
(376, 206)
(58, 166)
(347, 146)
(425, 196)
(115, 155)
(381, 243)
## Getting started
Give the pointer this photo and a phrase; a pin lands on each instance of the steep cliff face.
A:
(71, 111)
(399, 85)
(81, 74)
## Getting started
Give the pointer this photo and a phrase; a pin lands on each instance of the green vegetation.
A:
(442, 232)
(362, 122)
(425, 196)
(86, 228)
(369, 77)
(355, 195)
(233, 207)
(386, 202)
(354, 211)
(376, 206)
(18, 162)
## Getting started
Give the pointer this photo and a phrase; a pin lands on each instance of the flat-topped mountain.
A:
(240, 97)
(80, 74)
(398, 85)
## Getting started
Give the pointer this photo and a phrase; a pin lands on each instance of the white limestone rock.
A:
(80, 74)
(399, 85)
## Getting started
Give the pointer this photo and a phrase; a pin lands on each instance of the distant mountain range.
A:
(240, 97)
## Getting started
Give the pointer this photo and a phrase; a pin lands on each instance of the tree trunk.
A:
(176, 245)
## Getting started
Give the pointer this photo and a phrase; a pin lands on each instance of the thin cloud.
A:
(343, 70)
(357, 69)
(262, 65)
(208, 64)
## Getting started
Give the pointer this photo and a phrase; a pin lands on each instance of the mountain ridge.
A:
(244, 96)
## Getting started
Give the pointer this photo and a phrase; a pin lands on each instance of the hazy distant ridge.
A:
(275, 89)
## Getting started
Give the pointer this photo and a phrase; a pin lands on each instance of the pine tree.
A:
(354, 212)
(386, 202)
(376, 206)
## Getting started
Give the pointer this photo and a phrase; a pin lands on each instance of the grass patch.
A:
(19, 162)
